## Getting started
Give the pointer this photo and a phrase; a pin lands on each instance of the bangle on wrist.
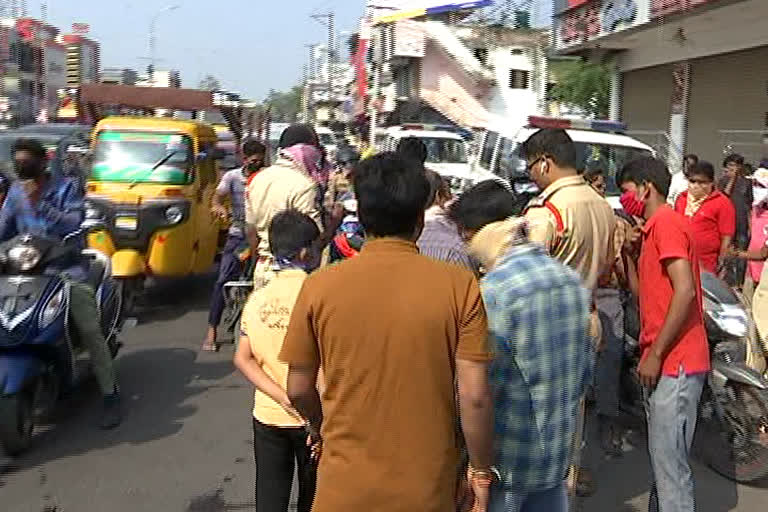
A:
(490, 473)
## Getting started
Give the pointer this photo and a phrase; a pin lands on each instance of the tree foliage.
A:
(587, 86)
(284, 106)
(209, 83)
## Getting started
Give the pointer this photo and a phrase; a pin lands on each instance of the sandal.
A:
(585, 485)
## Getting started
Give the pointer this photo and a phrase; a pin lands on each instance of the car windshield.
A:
(130, 156)
(445, 151)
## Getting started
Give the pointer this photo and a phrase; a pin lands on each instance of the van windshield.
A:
(608, 159)
(130, 156)
(445, 151)
(605, 157)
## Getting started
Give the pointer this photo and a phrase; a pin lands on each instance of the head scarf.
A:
(298, 134)
(496, 239)
(309, 161)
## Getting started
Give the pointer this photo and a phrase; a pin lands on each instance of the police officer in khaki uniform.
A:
(574, 223)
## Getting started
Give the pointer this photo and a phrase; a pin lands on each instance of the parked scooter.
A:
(39, 347)
(732, 431)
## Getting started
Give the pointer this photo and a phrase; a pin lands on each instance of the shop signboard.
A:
(596, 18)
(387, 11)
(667, 7)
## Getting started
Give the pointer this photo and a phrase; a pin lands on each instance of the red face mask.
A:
(631, 204)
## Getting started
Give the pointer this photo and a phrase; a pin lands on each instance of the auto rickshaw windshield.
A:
(131, 157)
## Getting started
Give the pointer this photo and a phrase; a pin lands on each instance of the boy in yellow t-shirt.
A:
(279, 434)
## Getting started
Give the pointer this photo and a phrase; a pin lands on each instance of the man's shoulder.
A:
(532, 268)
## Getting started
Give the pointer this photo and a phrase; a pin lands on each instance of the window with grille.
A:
(519, 79)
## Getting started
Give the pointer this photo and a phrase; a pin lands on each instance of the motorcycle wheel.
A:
(17, 421)
(736, 447)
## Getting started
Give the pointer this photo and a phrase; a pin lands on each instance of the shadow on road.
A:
(169, 299)
(623, 483)
(161, 381)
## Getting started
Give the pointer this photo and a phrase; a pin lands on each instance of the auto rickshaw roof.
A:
(159, 124)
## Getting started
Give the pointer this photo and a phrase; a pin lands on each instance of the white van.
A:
(600, 144)
(447, 151)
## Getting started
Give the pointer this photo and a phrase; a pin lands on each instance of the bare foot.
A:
(210, 345)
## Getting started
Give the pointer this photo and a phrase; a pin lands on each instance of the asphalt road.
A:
(185, 445)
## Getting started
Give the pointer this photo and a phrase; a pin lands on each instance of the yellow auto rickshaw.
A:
(151, 184)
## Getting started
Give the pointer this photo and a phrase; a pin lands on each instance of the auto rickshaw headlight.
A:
(174, 215)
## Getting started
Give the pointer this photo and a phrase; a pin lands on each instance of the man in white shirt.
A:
(680, 180)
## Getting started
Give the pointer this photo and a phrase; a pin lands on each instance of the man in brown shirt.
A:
(393, 331)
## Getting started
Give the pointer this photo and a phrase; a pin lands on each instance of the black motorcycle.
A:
(732, 431)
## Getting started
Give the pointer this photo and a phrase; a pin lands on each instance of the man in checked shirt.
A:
(538, 315)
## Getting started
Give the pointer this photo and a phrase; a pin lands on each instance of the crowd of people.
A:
(445, 364)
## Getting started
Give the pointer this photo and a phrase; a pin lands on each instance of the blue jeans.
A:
(672, 409)
(229, 268)
(552, 500)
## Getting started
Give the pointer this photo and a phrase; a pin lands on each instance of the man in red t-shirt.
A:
(710, 213)
(675, 358)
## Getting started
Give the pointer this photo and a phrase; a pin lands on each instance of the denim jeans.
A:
(229, 268)
(672, 409)
(551, 500)
(610, 307)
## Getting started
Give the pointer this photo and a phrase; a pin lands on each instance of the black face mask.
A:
(28, 170)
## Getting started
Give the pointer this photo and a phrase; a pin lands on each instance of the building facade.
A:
(83, 60)
(690, 74)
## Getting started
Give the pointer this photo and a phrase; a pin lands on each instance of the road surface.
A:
(185, 445)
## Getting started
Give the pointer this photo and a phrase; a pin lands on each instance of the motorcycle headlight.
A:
(174, 215)
(732, 319)
(52, 309)
(25, 257)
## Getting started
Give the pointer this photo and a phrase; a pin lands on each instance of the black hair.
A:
(31, 146)
(437, 185)
(414, 148)
(735, 158)
(692, 156)
(392, 194)
(646, 169)
(592, 174)
(298, 134)
(347, 155)
(291, 231)
(253, 147)
(488, 201)
(554, 143)
(703, 168)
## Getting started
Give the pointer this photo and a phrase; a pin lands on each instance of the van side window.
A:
(488, 146)
(508, 163)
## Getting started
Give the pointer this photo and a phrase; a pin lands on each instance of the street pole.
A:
(153, 40)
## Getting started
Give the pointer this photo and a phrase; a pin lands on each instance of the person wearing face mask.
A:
(574, 224)
(675, 352)
(232, 186)
(711, 215)
(295, 180)
(41, 204)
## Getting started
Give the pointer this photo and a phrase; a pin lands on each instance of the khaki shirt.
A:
(278, 187)
(576, 226)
